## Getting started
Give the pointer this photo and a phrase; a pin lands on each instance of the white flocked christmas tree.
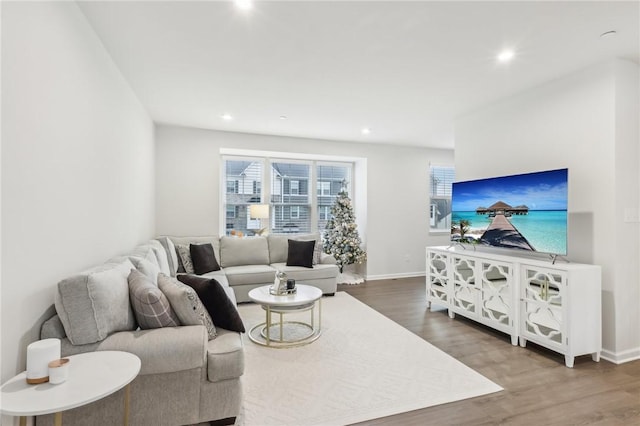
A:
(341, 239)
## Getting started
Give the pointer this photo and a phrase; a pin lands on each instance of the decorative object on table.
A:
(279, 286)
(260, 212)
(341, 238)
(291, 284)
(39, 355)
(58, 371)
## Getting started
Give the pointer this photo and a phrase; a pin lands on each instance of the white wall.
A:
(584, 122)
(77, 163)
(396, 197)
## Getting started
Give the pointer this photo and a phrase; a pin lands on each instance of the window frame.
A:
(436, 198)
(315, 223)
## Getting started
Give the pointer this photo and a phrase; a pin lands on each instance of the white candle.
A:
(39, 355)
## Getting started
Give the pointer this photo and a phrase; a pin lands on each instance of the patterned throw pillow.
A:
(150, 305)
(185, 302)
(185, 256)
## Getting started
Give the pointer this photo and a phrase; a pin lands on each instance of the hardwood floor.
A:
(538, 388)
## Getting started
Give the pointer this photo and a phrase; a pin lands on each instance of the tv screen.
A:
(524, 212)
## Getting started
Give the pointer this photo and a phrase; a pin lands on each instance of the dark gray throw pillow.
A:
(222, 310)
(203, 258)
(301, 253)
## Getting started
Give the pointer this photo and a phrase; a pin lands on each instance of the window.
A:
(324, 188)
(233, 186)
(290, 197)
(295, 212)
(323, 213)
(294, 206)
(243, 181)
(441, 178)
(331, 179)
(231, 212)
(294, 187)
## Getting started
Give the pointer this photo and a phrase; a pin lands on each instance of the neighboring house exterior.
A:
(290, 197)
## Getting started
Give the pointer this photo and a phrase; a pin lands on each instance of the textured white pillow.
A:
(185, 302)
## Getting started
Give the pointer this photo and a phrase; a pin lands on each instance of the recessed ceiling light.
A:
(366, 130)
(505, 56)
(283, 117)
(608, 34)
(226, 117)
(244, 4)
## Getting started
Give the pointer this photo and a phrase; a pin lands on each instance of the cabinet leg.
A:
(568, 361)
(428, 304)
(451, 314)
(595, 356)
(523, 342)
(514, 340)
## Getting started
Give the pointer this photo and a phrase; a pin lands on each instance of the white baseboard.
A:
(394, 276)
(621, 357)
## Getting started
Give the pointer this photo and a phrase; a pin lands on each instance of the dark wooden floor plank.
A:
(538, 388)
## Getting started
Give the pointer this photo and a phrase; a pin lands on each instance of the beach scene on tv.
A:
(526, 212)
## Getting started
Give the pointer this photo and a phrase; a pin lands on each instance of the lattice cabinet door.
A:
(542, 295)
(498, 307)
(464, 290)
(437, 279)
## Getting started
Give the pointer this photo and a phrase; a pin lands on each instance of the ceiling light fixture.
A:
(505, 56)
(244, 4)
(366, 130)
(283, 117)
(226, 117)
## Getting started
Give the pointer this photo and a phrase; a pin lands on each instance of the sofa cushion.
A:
(52, 329)
(298, 273)
(243, 251)
(219, 275)
(279, 246)
(185, 258)
(214, 297)
(150, 306)
(161, 350)
(203, 258)
(95, 303)
(186, 303)
(301, 253)
(161, 255)
(172, 257)
(250, 274)
(225, 356)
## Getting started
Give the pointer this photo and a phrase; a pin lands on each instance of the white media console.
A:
(555, 305)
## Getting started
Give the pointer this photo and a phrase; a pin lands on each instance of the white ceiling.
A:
(404, 69)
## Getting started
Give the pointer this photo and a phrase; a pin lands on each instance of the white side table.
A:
(92, 376)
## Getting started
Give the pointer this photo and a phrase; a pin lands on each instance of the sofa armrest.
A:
(327, 259)
(162, 350)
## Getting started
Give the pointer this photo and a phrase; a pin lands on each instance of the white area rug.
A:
(364, 366)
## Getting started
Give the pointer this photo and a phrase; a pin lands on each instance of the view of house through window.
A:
(294, 205)
(441, 179)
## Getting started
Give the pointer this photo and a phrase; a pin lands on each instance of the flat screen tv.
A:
(524, 212)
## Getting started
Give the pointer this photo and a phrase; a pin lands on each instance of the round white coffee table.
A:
(92, 376)
(285, 334)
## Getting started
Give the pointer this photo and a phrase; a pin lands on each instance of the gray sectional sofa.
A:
(247, 263)
(185, 378)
